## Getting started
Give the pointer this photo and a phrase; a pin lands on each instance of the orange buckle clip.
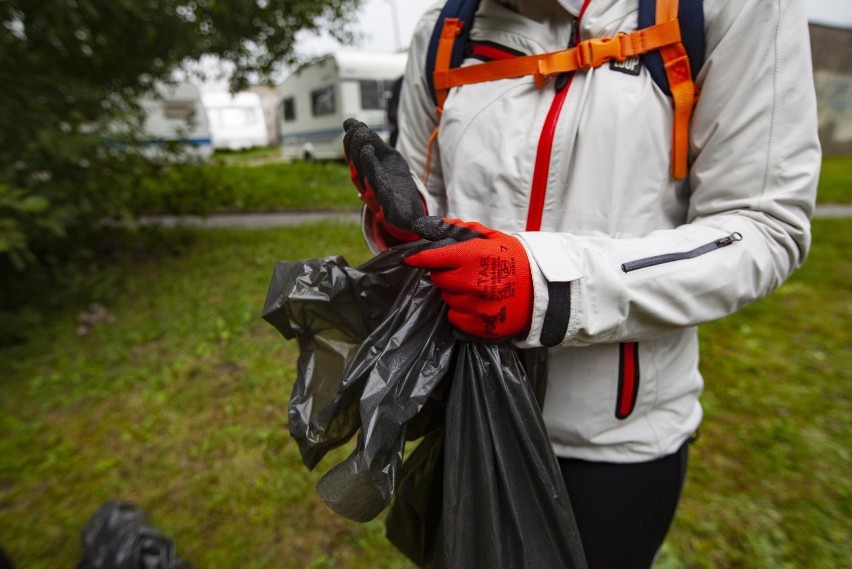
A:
(597, 51)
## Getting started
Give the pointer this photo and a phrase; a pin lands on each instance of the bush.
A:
(184, 189)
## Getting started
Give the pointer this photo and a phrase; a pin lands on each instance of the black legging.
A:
(623, 511)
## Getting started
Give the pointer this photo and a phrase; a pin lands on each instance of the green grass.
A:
(258, 181)
(769, 481)
(180, 405)
(299, 185)
(249, 157)
(223, 185)
(835, 180)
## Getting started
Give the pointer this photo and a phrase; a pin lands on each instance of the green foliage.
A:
(17, 211)
(73, 75)
(192, 189)
(179, 404)
(184, 189)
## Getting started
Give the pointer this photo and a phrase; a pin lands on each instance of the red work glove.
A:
(385, 184)
(484, 276)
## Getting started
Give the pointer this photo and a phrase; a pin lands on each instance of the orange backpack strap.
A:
(684, 91)
(452, 28)
(664, 36)
(587, 54)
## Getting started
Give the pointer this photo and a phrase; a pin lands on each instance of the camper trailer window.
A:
(179, 109)
(322, 101)
(371, 94)
(375, 93)
(288, 109)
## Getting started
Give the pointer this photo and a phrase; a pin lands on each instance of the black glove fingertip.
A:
(357, 135)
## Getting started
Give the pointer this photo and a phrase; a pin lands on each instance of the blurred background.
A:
(158, 156)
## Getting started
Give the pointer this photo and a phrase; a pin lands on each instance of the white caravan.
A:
(316, 99)
(174, 113)
(236, 121)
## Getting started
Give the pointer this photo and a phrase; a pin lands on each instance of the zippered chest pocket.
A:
(671, 257)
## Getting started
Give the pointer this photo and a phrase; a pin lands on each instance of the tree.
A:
(71, 70)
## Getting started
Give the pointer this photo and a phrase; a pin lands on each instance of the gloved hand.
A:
(484, 276)
(385, 184)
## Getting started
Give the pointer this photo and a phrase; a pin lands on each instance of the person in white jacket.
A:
(557, 222)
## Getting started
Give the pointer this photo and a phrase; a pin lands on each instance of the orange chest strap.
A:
(664, 36)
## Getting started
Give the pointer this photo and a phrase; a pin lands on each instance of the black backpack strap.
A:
(690, 14)
(463, 10)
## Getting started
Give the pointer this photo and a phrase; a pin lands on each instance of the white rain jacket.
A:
(624, 383)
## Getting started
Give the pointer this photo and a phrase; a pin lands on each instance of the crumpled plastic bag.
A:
(118, 536)
(378, 357)
(390, 357)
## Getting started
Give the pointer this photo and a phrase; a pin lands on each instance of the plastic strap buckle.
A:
(597, 51)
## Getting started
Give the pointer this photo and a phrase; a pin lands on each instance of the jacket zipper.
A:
(669, 257)
(542, 158)
(545, 141)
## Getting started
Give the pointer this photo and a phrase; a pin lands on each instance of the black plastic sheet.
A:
(378, 357)
(118, 536)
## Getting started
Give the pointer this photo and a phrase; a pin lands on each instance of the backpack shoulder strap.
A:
(670, 36)
(682, 88)
(464, 11)
(690, 15)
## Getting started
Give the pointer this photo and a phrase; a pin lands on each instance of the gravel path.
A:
(250, 220)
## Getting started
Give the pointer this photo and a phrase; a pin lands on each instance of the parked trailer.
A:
(174, 113)
(317, 98)
(236, 121)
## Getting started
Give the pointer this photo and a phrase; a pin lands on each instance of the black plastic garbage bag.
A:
(483, 488)
(330, 308)
(414, 519)
(505, 502)
(384, 384)
(118, 537)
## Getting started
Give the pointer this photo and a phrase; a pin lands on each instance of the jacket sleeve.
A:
(753, 178)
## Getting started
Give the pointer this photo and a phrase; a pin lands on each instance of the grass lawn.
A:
(230, 184)
(258, 181)
(249, 157)
(299, 185)
(835, 180)
(180, 405)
